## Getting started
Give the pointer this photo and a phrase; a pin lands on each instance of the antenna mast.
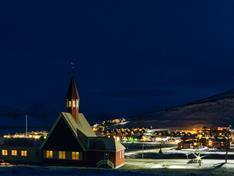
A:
(26, 125)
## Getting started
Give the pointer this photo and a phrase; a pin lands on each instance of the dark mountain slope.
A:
(216, 110)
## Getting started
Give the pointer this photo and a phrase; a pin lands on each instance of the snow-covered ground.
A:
(176, 164)
(205, 152)
(166, 149)
(174, 167)
(60, 171)
(173, 151)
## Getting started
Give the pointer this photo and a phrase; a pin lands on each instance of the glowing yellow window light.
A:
(73, 103)
(49, 154)
(69, 104)
(24, 153)
(14, 152)
(4, 152)
(62, 155)
(75, 155)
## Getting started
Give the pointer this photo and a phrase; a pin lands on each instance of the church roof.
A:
(72, 92)
(81, 129)
(83, 132)
(81, 124)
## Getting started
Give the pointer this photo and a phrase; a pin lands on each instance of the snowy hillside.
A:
(217, 110)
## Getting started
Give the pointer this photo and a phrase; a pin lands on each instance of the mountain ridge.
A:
(216, 110)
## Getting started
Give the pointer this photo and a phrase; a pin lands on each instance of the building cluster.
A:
(137, 134)
(70, 141)
(113, 122)
(219, 138)
(121, 134)
(29, 135)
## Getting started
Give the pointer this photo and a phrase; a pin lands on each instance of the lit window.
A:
(73, 103)
(4, 152)
(62, 155)
(69, 104)
(49, 154)
(24, 153)
(14, 152)
(75, 155)
(77, 103)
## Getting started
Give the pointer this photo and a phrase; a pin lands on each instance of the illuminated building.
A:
(70, 141)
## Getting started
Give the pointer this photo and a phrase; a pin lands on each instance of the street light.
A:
(198, 158)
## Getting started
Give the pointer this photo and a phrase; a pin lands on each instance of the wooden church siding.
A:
(119, 158)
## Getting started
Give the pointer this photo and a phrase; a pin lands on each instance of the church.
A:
(70, 141)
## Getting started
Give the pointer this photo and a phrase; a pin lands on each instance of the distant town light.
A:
(30, 135)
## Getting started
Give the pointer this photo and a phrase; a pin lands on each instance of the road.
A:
(136, 152)
(174, 167)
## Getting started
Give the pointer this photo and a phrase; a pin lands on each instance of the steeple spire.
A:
(72, 92)
(73, 99)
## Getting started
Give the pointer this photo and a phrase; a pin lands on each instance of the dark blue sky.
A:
(132, 56)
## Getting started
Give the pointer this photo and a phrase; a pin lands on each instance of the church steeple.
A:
(73, 99)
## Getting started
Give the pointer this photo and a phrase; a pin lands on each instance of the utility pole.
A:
(199, 161)
(160, 148)
(226, 155)
(26, 125)
(142, 154)
(199, 158)
(227, 138)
